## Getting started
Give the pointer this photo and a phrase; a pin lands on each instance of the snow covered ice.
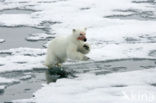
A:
(91, 88)
(118, 30)
(2, 40)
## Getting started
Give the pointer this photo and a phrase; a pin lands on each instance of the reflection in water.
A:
(50, 78)
(55, 73)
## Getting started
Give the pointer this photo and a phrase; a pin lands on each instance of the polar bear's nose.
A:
(85, 39)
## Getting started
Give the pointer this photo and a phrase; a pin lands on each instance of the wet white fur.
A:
(61, 48)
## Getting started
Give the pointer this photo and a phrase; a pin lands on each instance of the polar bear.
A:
(73, 47)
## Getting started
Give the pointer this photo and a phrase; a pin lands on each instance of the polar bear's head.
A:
(80, 34)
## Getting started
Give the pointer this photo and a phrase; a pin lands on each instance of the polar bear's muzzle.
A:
(82, 37)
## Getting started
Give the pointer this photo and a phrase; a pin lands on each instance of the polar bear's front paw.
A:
(86, 58)
(85, 49)
(86, 46)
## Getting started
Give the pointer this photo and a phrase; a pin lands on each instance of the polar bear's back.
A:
(58, 46)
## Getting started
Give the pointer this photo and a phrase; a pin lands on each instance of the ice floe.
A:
(38, 36)
(22, 59)
(129, 87)
(7, 81)
(2, 40)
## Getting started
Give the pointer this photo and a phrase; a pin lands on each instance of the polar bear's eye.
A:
(81, 34)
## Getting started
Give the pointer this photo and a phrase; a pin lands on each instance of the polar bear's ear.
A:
(74, 30)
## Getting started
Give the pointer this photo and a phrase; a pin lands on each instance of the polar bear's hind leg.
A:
(51, 61)
(60, 61)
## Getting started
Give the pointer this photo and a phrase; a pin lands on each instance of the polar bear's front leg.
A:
(85, 49)
(74, 54)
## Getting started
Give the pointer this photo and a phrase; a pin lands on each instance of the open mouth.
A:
(83, 38)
